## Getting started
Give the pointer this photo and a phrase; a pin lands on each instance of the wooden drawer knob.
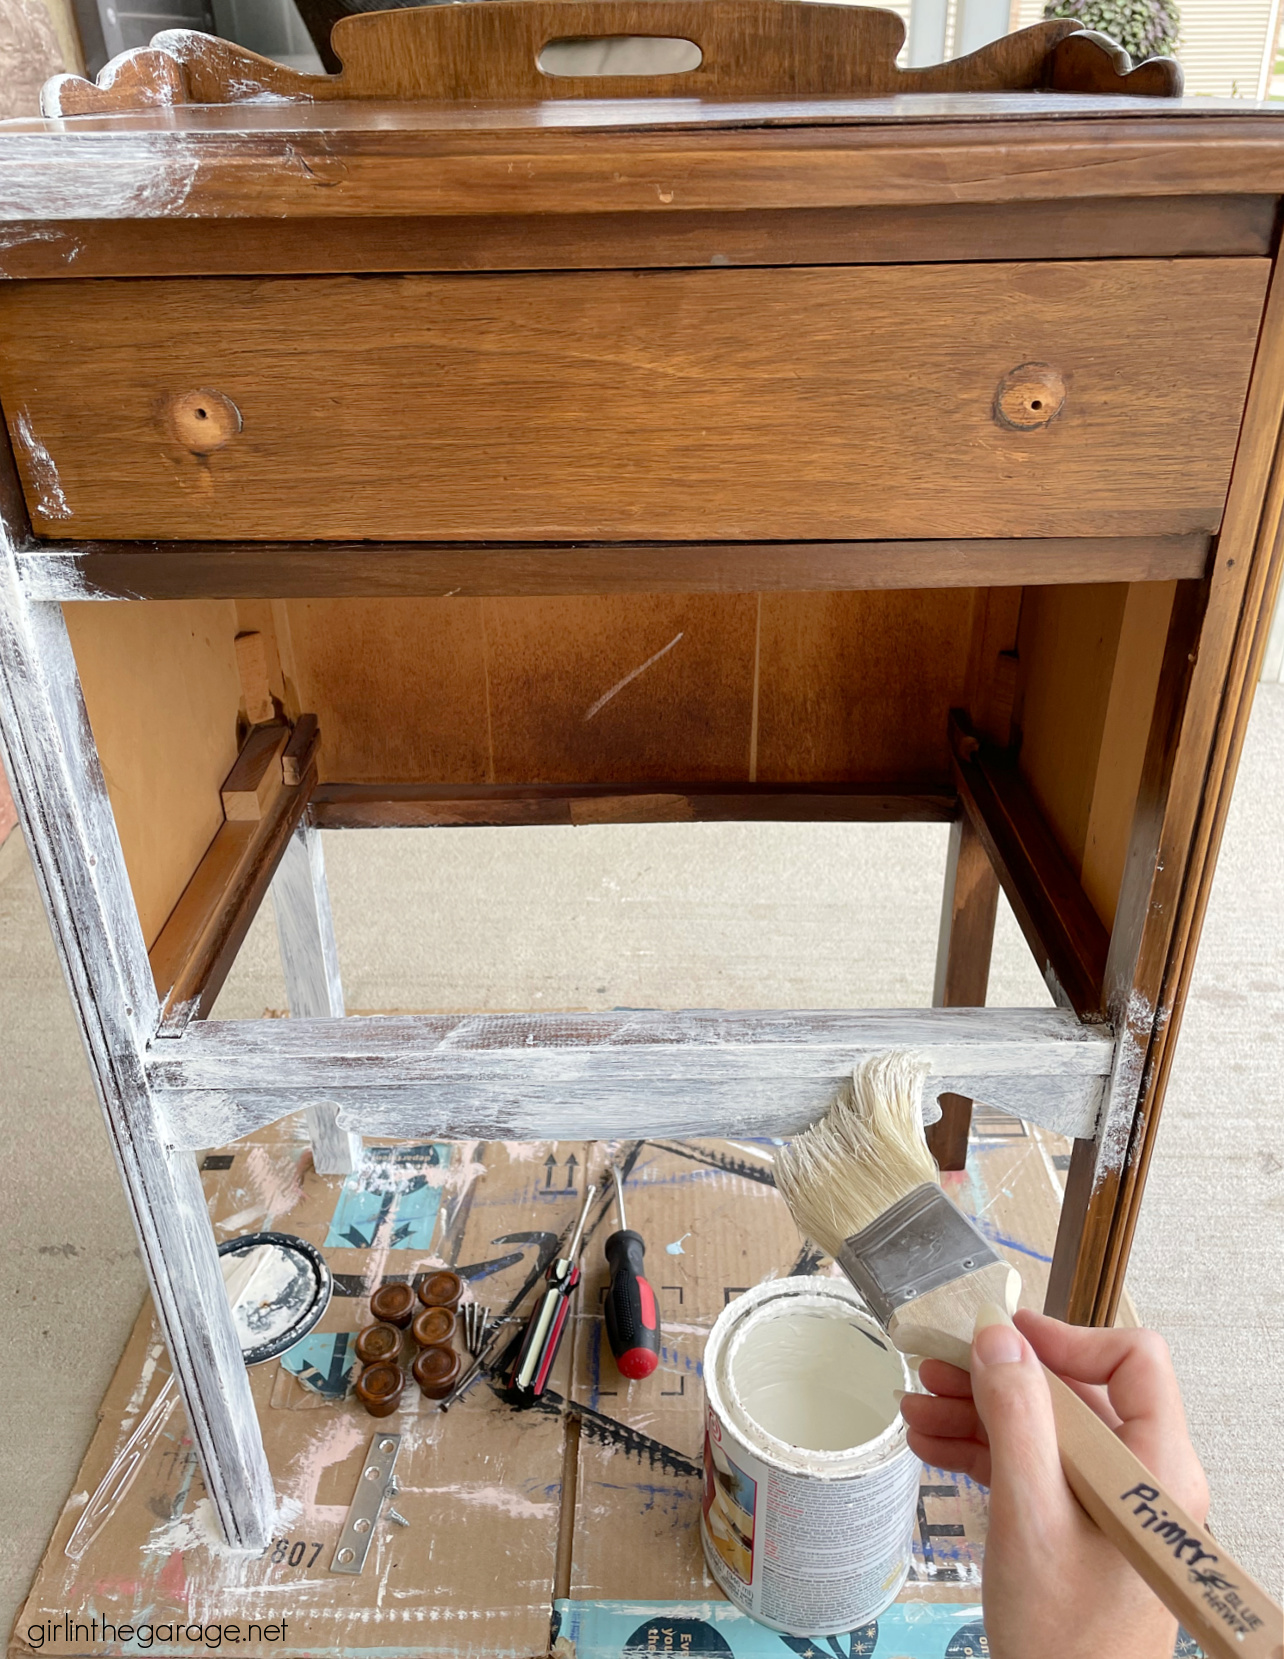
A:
(378, 1344)
(441, 1289)
(380, 1387)
(393, 1304)
(436, 1371)
(203, 421)
(434, 1328)
(1029, 396)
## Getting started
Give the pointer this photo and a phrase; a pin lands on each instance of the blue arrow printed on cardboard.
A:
(397, 1189)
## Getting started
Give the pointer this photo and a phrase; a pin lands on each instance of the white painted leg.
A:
(62, 803)
(310, 962)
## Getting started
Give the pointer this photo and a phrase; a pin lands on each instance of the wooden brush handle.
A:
(1190, 1572)
(1227, 1612)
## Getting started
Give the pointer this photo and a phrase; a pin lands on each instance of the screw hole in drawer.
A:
(1029, 397)
(203, 420)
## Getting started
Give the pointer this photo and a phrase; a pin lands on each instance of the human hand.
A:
(1053, 1586)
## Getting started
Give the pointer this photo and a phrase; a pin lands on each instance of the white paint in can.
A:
(810, 1490)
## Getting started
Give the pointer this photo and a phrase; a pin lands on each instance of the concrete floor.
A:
(675, 915)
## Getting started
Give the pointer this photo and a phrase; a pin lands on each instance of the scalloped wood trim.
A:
(1092, 62)
(486, 50)
(145, 78)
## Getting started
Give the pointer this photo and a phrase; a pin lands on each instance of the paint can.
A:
(810, 1490)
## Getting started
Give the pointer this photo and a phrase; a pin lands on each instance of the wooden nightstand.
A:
(447, 443)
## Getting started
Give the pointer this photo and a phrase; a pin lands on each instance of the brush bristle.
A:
(865, 1153)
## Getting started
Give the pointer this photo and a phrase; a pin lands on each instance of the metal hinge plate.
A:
(375, 1484)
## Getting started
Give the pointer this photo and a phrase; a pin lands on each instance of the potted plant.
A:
(1144, 28)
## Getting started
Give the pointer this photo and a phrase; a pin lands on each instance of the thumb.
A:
(1013, 1402)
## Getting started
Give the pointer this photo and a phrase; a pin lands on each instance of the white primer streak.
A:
(628, 679)
(134, 176)
(584, 1076)
(52, 503)
(242, 1218)
(500, 1497)
(192, 1529)
(1115, 1125)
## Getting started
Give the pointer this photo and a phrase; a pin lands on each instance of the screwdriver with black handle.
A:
(632, 1318)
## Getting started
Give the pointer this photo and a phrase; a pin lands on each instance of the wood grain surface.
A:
(1134, 684)
(1132, 228)
(254, 780)
(446, 806)
(491, 51)
(1090, 660)
(1092, 62)
(162, 691)
(726, 404)
(373, 570)
(969, 907)
(660, 157)
(789, 688)
(859, 685)
(1068, 644)
(1064, 932)
(194, 951)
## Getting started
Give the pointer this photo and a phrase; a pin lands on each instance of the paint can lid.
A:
(441, 1289)
(278, 1286)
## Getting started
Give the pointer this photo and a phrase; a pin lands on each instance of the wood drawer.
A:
(725, 404)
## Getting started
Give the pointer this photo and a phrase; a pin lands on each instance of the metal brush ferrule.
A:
(922, 1242)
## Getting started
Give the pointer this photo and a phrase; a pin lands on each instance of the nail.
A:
(995, 1340)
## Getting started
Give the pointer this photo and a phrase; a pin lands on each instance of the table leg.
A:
(63, 805)
(310, 962)
(968, 909)
(1216, 642)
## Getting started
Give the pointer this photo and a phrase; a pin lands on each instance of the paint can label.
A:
(805, 1531)
(810, 1557)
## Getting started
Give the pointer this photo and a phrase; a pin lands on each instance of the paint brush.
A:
(862, 1184)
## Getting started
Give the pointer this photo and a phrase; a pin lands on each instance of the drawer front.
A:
(1079, 398)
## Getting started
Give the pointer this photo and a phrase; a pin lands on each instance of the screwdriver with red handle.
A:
(544, 1328)
(632, 1318)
